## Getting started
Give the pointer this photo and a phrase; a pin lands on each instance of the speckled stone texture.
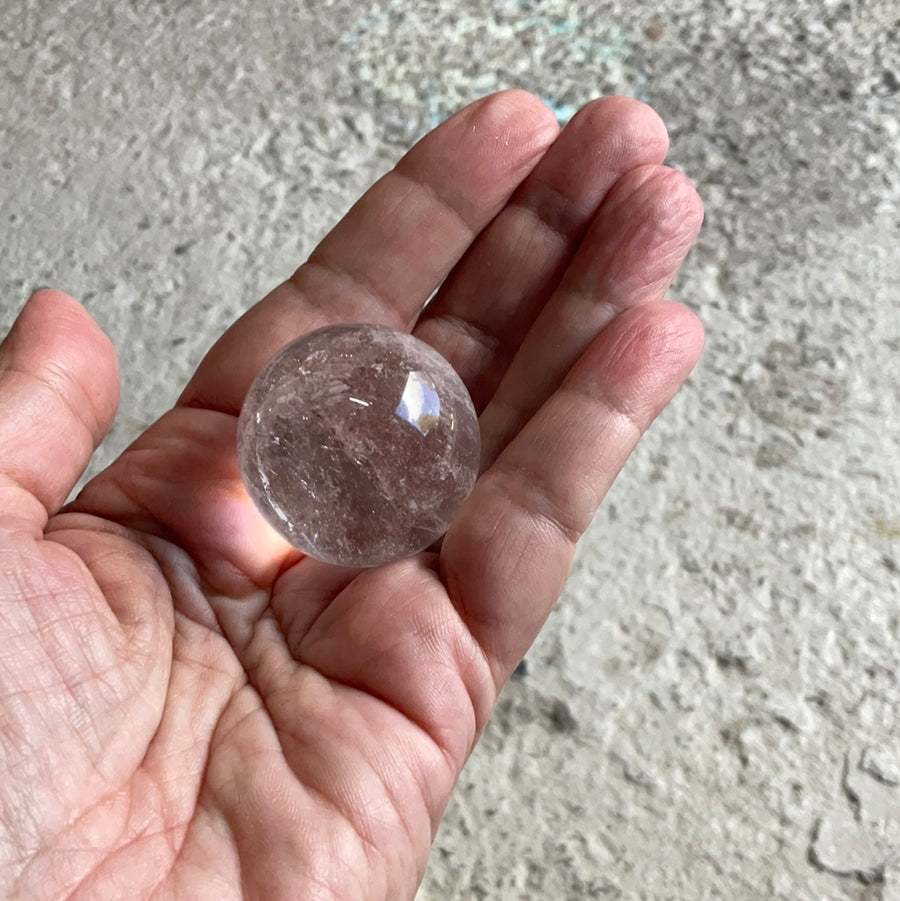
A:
(359, 444)
(712, 710)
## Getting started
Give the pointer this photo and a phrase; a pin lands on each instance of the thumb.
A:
(59, 388)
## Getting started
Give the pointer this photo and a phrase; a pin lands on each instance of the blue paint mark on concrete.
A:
(363, 25)
(562, 111)
(572, 56)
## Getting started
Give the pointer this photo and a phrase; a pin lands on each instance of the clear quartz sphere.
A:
(358, 443)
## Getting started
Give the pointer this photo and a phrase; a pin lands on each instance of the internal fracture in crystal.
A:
(358, 443)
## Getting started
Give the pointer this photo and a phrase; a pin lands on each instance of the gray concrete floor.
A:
(712, 711)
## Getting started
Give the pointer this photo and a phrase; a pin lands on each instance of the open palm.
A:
(189, 708)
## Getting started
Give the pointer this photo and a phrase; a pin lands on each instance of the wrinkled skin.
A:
(188, 707)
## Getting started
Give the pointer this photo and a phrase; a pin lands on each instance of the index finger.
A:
(395, 246)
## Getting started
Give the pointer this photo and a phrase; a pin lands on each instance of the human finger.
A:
(630, 255)
(59, 388)
(483, 311)
(507, 555)
(395, 246)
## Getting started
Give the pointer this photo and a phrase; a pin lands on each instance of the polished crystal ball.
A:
(358, 443)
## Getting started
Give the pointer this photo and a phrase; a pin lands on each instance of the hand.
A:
(191, 709)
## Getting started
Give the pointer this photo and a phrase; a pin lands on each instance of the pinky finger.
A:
(508, 554)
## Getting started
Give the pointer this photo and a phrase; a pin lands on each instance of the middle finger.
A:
(490, 300)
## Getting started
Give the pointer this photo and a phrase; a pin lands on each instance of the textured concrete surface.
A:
(712, 711)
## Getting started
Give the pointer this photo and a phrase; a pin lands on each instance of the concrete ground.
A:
(713, 709)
